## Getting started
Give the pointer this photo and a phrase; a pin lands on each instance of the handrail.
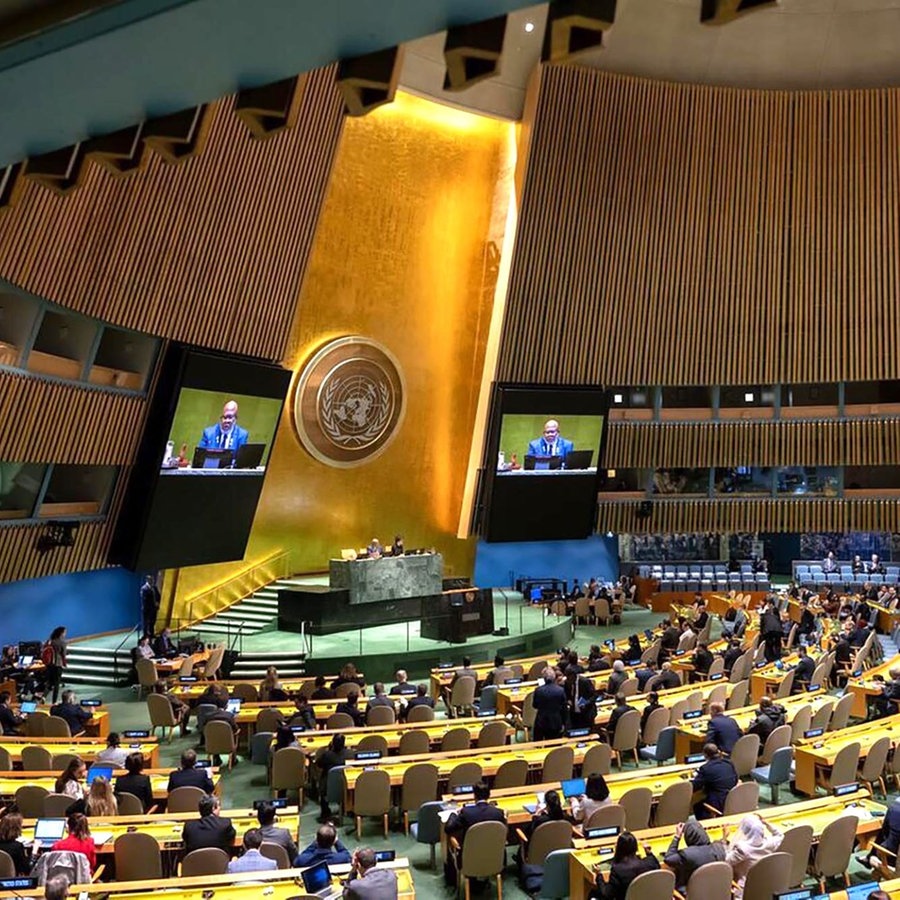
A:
(116, 651)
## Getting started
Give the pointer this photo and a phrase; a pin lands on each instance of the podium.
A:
(456, 615)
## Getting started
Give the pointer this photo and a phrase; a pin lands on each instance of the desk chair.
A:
(54, 726)
(427, 827)
(338, 720)
(711, 881)
(483, 854)
(275, 851)
(248, 693)
(137, 857)
(185, 799)
(7, 866)
(37, 759)
(161, 714)
(555, 882)
(130, 805)
(414, 742)
(456, 739)
(675, 804)
(270, 718)
(205, 861)
(777, 773)
(656, 885)
(661, 752)
(420, 784)
(289, 771)
(768, 876)
(512, 773)
(55, 805)
(744, 754)
(421, 713)
(372, 797)
(598, 759)
(797, 842)
(559, 763)
(30, 800)
(606, 816)
(835, 845)
(637, 803)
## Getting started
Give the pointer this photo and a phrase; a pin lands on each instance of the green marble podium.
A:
(388, 578)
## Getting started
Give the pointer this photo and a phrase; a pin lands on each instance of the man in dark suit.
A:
(619, 710)
(210, 830)
(75, 715)
(149, 605)
(226, 434)
(421, 699)
(701, 661)
(804, 670)
(274, 834)
(551, 443)
(771, 631)
(163, 648)
(888, 837)
(10, 722)
(189, 775)
(668, 678)
(732, 655)
(549, 702)
(723, 730)
(716, 777)
(459, 823)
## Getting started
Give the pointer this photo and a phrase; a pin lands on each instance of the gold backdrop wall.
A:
(400, 256)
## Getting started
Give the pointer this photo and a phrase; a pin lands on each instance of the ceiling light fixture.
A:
(529, 27)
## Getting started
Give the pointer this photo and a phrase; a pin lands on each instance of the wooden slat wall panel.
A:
(829, 442)
(211, 250)
(680, 234)
(751, 515)
(54, 422)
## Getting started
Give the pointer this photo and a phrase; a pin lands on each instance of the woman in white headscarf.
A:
(753, 839)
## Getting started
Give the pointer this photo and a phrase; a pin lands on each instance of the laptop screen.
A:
(234, 705)
(26, 661)
(101, 771)
(572, 787)
(28, 706)
(316, 878)
(49, 830)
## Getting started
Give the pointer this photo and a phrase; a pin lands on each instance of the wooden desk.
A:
(585, 860)
(865, 687)
(690, 735)
(165, 668)
(10, 782)
(768, 678)
(96, 726)
(821, 751)
(441, 677)
(188, 692)
(667, 698)
(86, 748)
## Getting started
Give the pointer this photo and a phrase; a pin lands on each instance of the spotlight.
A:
(529, 27)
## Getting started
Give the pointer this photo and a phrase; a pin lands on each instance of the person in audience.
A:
(143, 649)
(716, 777)
(335, 754)
(550, 707)
(421, 699)
(188, 775)
(626, 866)
(10, 832)
(769, 716)
(270, 683)
(803, 670)
(633, 654)
(163, 646)
(668, 678)
(618, 677)
(465, 671)
(843, 655)
(56, 888)
(304, 715)
(860, 634)
(723, 731)
(379, 698)
(100, 799)
(597, 661)
(651, 705)
(618, 711)
(734, 622)
(701, 617)
(350, 706)
(397, 548)
(112, 754)
(858, 565)
(643, 675)
(71, 781)
(770, 630)
(595, 796)
(266, 815)
(499, 665)
(135, 782)
(754, 839)
(210, 830)
(874, 566)
(402, 685)
(322, 691)
(888, 838)
(698, 851)
(325, 848)
(669, 641)
(348, 675)
(732, 654)
(284, 737)
(251, 860)
(807, 624)
(829, 564)
(551, 810)
(368, 881)
(701, 661)
(460, 822)
(181, 711)
(79, 839)
(75, 715)
(10, 721)
(584, 703)
(375, 549)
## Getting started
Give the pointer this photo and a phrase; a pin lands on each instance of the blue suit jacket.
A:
(214, 437)
(535, 447)
(723, 732)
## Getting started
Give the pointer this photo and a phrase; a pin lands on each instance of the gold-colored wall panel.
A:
(400, 257)
(836, 442)
(210, 251)
(679, 234)
(751, 515)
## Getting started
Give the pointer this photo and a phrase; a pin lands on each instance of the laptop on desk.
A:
(579, 459)
(49, 831)
(249, 456)
(317, 881)
(533, 463)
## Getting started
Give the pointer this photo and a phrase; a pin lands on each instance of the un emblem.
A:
(349, 401)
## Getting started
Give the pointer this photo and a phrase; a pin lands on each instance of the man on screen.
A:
(552, 443)
(226, 434)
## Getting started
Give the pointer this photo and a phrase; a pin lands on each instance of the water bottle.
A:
(501, 460)
(170, 451)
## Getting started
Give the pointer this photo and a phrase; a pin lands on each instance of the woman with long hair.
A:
(100, 800)
(268, 684)
(595, 796)
(79, 839)
(626, 866)
(135, 782)
(71, 781)
(10, 832)
(53, 656)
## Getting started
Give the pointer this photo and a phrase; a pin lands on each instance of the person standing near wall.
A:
(53, 656)
(149, 606)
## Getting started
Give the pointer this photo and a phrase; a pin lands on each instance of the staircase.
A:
(252, 615)
(291, 663)
(87, 664)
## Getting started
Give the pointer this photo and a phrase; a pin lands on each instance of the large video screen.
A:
(201, 463)
(545, 447)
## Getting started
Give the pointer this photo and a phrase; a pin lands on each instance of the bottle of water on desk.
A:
(501, 460)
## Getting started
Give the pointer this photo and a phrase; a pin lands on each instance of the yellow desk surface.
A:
(167, 827)
(246, 717)
(96, 726)
(86, 748)
(442, 677)
(167, 667)
(279, 884)
(588, 856)
(192, 690)
(10, 782)
(821, 751)
(766, 679)
(683, 665)
(667, 698)
(689, 738)
(865, 687)
(512, 800)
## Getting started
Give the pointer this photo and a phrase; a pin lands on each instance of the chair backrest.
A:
(555, 883)
(484, 850)
(820, 674)
(846, 762)
(656, 721)
(675, 804)
(780, 767)
(835, 846)
(627, 731)
(716, 667)
(7, 866)
(677, 711)
(380, 715)
(5, 760)
(742, 798)
(822, 716)
(373, 742)
(502, 675)
(213, 663)
(801, 722)
(711, 881)
(413, 742)
(146, 672)
(129, 804)
(719, 694)
(30, 800)
(637, 803)
(768, 876)
(61, 761)
(738, 696)
(342, 691)
(463, 693)
(656, 885)
(160, 711)
(372, 794)
(338, 720)
(606, 816)
(840, 715)
(797, 842)
(529, 713)
(421, 713)
(203, 712)
(876, 759)
(535, 669)
(786, 686)
(512, 773)
(205, 861)
(55, 805)
(270, 718)
(744, 754)
(492, 735)
(218, 737)
(428, 822)
(420, 785)
(597, 759)
(456, 739)
(137, 857)
(629, 687)
(55, 726)
(248, 693)
(695, 700)
(184, 799)
(558, 764)
(546, 838)
(261, 747)
(464, 773)
(187, 667)
(487, 702)
(288, 769)
(271, 850)
(778, 737)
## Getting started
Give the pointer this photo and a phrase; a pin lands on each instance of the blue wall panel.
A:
(500, 564)
(85, 602)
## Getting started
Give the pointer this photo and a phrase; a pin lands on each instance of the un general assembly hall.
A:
(450, 449)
